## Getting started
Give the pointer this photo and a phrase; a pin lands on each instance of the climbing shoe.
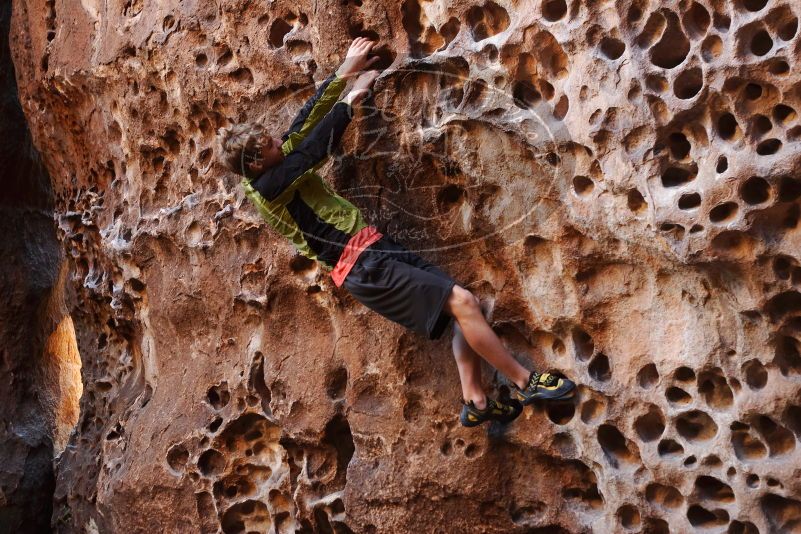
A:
(545, 386)
(503, 412)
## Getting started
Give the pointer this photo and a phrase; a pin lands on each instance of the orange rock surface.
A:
(618, 182)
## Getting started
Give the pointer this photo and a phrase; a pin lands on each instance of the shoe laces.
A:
(546, 379)
(492, 403)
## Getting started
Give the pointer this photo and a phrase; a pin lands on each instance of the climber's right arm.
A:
(326, 96)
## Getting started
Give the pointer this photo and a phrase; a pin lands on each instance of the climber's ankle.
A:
(479, 401)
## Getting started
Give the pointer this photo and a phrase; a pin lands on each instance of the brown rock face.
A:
(617, 181)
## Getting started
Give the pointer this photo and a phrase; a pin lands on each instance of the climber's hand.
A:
(361, 88)
(356, 59)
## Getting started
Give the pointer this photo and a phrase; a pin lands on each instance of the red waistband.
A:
(356, 245)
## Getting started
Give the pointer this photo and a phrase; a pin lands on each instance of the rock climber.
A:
(279, 177)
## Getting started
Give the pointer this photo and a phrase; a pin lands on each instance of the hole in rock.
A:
(669, 448)
(789, 189)
(561, 108)
(278, 31)
(301, 264)
(783, 114)
(711, 48)
(612, 48)
(768, 147)
(723, 165)
(783, 515)
(755, 190)
(789, 29)
(336, 383)
(696, 20)
(721, 22)
(656, 83)
(684, 374)
(338, 436)
(653, 29)
(676, 176)
(779, 67)
(655, 525)
(780, 440)
(600, 369)
(689, 201)
(676, 395)
(214, 425)
(690, 461)
(752, 91)
(177, 457)
(247, 517)
(696, 425)
(792, 418)
(679, 145)
(742, 527)
(613, 443)
(583, 344)
(676, 231)
(560, 413)
(781, 267)
(715, 390)
(385, 55)
(651, 425)
(242, 75)
(629, 516)
(756, 376)
(211, 462)
(688, 83)
(583, 186)
(700, 517)
(664, 496)
(723, 212)
(592, 410)
(746, 447)
(783, 304)
(487, 20)
(762, 125)
(554, 10)
(449, 196)
(709, 488)
(761, 43)
(728, 128)
(635, 201)
(754, 5)
(218, 396)
(648, 376)
(525, 95)
(201, 60)
(565, 444)
(673, 47)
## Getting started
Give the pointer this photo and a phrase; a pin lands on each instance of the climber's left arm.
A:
(323, 100)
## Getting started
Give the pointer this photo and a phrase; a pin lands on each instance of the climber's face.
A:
(269, 149)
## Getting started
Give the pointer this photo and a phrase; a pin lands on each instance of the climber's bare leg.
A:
(464, 307)
(469, 365)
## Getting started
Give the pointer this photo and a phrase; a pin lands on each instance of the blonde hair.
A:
(235, 143)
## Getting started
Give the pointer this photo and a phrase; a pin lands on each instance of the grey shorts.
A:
(401, 286)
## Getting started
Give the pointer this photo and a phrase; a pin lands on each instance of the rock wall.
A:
(32, 414)
(618, 182)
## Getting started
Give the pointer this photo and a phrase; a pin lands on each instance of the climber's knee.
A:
(461, 302)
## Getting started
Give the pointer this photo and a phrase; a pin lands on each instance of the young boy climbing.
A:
(279, 178)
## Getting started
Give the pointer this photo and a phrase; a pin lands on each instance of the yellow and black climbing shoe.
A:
(545, 386)
(503, 412)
